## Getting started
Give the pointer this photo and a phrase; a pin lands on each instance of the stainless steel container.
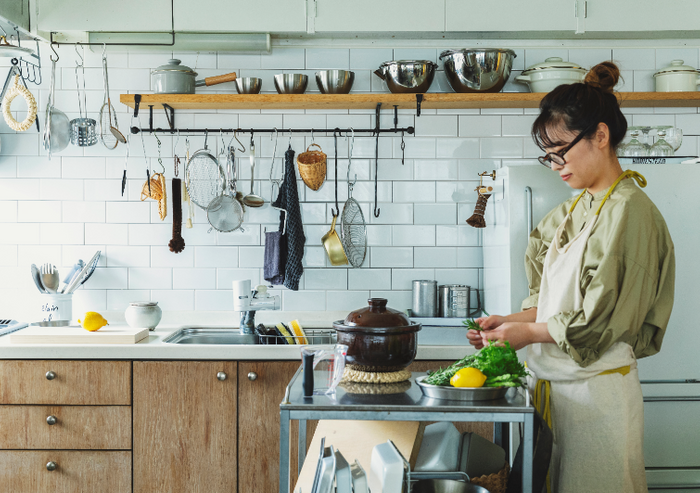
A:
(407, 76)
(477, 69)
(453, 300)
(424, 299)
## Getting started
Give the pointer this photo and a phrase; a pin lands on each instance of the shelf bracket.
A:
(137, 102)
(396, 116)
(419, 100)
(150, 118)
(170, 115)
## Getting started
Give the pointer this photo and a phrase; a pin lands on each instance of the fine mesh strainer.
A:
(224, 212)
(204, 177)
(353, 230)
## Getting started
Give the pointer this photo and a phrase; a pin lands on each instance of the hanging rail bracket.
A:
(170, 115)
(137, 102)
(419, 101)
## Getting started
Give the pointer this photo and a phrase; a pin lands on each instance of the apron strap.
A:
(641, 181)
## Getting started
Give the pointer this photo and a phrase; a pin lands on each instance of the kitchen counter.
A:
(153, 347)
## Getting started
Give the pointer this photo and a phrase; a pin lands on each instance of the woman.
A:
(601, 270)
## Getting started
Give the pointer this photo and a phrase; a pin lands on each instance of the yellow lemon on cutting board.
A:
(468, 377)
(93, 321)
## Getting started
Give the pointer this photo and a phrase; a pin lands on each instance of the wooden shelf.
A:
(403, 101)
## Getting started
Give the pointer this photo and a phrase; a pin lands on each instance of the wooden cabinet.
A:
(373, 16)
(185, 426)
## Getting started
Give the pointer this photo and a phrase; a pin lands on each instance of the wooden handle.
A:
(219, 79)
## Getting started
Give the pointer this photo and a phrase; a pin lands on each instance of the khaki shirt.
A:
(627, 276)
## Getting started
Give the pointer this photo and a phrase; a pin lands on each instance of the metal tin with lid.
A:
(677, 77)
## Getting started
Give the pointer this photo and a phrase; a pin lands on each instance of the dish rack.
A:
(313, 337)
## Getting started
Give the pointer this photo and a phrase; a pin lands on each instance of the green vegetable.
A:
(472, 325)
(499, 363)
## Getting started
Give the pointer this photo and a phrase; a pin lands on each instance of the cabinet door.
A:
(247, 17)
(510, 15)
(185, 427)
(17, 11)
(104, 15)
(386, 15)
(261, 387)
(642, 15)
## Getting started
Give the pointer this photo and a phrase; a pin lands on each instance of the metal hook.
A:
(176, 142)
(104, 50)
(312, 137)
(235, 136)
(160, 159)
(352, 146)
(336, 213)
(274, 154)
(403, 149)
(54, 52)
(290, 138)
(79, 55)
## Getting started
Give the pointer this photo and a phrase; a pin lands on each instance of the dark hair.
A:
(581, 106)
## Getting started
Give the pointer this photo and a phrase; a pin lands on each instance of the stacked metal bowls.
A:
(335, 81)
(291, 83)
(407, 76)
(478, 69)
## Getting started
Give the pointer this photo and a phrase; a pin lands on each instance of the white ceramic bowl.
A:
(553, 72)
(677, 78)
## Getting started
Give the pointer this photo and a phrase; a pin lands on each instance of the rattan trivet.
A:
(352, 375)
(375, 388)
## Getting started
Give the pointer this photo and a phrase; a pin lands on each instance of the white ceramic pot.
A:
(143, 314)
(677, 77)
(55, 307)
(553, 72)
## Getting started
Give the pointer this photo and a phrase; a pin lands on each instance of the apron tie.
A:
(641, 181)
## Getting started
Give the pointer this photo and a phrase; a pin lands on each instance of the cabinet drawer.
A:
(65, 382)
(74, 427)
(75, 472)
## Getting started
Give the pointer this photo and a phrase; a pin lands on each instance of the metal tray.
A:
(467, 394)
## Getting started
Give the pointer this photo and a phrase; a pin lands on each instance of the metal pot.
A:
(553, 72)
(407, 76)
(379, 339)
(677, 77)
(174, 78)
(478, 69)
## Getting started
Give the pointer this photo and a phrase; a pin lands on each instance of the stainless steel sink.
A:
(210, 335)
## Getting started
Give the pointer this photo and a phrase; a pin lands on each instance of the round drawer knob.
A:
(50, 375)
(221, 376)
(51, 420)
(252, 376)
(51, 466)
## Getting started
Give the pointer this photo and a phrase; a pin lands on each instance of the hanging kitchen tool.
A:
(252, 200)
(275, 241)
(56, 124)
(155, 186)
(377, 210)
(331, 241)
(174, 78)
(224, 212)
(477, 219)
(204, 177)
(110, 135)
(82, 131)
(353, 230)
(185, 194)
(177, 243)
(312, 166)
(277, 183)
(19, 90)
(126, 160)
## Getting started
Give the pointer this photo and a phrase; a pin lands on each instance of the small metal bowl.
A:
(291, 83)
(248, 85)
(477, 69)
(335, 81)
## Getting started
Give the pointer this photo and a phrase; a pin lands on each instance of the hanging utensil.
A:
(252, 200)
(56, 124)
(353, 230)
(377, 210)
(177, 243)
(110, 135)
(225, 213)
(331, 241)
(185, 194)
(82, 131)
(204, 177)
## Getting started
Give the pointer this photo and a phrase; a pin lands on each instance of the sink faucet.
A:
(249, 301)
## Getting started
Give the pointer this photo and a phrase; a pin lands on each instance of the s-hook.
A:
(377, 210)
(336, 213)
(160, 159)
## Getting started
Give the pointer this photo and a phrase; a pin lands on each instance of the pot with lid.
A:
(553, 72)
(677, 77)
(379, 338)
(175, 78)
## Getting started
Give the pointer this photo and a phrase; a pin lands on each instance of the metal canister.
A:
(453, 301)
(424, 298)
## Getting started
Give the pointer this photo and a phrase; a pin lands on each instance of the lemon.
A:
(468, 377)
(93, 321)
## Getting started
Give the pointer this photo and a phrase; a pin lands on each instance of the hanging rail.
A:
(184, 131)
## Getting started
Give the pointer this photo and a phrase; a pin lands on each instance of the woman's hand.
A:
(486, 323)
(517, 334)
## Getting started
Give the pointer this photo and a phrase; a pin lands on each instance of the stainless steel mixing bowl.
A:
(335, 81)
(477, 69)
(248, 85)
(407, 76)
(291, 83)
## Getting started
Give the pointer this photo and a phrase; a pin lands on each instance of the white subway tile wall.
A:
(65, 208)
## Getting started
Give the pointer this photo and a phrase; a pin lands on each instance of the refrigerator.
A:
(522, 196)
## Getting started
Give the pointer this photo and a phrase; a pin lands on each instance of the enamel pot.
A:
(677, 77)
(175, 78)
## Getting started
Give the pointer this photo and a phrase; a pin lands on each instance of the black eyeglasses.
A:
(558, 157)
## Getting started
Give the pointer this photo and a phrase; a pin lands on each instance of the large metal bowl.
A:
(407, 76)
(478, 69)
(291, 83)
(335, 81)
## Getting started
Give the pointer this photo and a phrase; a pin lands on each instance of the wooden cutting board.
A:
(117, 334)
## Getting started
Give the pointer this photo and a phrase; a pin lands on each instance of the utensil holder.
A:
(83, 132)
(55, 307)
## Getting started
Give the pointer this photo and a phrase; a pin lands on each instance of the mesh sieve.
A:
(204, 177)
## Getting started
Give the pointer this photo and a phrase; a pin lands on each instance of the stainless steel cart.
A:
(411, 405)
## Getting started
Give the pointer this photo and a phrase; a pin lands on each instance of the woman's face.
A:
(583, 168)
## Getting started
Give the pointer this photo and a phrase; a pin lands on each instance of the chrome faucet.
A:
(249, 301)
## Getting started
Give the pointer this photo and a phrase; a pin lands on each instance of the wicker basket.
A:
(312, 167)
(496, 482)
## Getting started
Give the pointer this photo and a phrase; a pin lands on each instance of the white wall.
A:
(60, 210)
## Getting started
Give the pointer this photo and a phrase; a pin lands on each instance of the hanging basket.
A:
(312, 167)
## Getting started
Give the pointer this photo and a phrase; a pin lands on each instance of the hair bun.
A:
(604, 76)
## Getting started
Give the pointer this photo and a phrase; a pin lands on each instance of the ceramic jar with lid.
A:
(554, 71)
(379, 338)
(143, 314)
(677, 77)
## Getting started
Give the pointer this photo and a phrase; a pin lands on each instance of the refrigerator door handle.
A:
(528, 203)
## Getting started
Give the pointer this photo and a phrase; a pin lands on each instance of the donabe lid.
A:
(174, 65)
(377, 316)
(554, 63)
(677, 67)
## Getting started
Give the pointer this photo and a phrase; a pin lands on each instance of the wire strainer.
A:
(353, 230)
(224, 212)
(82, 130)
(204, 177)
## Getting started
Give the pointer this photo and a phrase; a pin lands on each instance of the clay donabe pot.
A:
(379, 339)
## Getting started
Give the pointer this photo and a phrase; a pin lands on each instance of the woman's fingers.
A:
(474, 338)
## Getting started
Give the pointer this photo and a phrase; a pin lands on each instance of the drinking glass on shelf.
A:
(634, 148)
(674, 137)
(661, 147)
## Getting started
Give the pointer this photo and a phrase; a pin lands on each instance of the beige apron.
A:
(598, 420)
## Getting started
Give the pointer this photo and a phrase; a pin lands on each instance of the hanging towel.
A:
(275, 257)
(288, 199)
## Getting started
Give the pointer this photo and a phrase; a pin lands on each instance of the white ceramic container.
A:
(553, 72)
(143, 314)
(55, 307)
(677, 77)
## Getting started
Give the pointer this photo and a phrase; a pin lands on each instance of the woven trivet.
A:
(352, 375)
(375, 388)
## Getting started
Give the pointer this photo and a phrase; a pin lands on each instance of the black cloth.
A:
(275, 257)
(288, 200)
(541, 456)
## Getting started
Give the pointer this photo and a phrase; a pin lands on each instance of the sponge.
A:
(285, 332)
(298, 332)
